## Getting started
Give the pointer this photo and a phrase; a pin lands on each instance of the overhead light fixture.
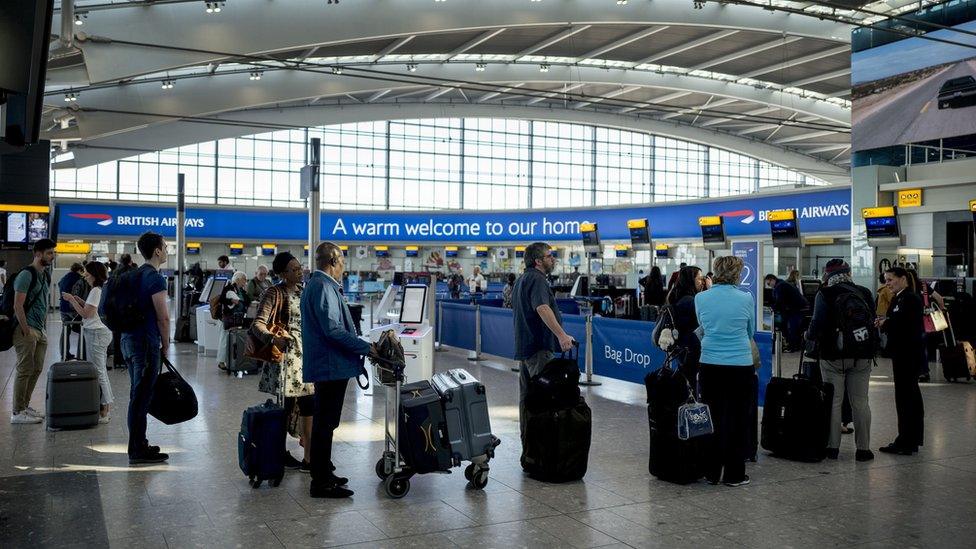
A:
(332, 2)
(544, 67)
(167, 84)
(70, 97)
(698, 4)
(480, 67)
(336, 70)
(621, 2)
(214, 7)
(255, 75)
(80, 18)
(412, 67)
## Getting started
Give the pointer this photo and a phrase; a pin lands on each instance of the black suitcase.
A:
(261, 444)
(671, 459)
(649, 313)
(182, 332)
(796, 418)
(556, 387)
(236, 360)
(557, 443)
(73, 398)
(423, 432)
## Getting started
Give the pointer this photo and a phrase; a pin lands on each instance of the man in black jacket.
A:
(903, 324)
(789, 302)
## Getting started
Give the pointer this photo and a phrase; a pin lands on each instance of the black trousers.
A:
(729, 393)
(908, 398)
(329, 396)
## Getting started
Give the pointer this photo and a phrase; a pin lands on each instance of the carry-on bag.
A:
(556, 387)
(670, 458)
(73, 398)
(557, 443)
(237, 359)
(466, 414)
(957, 357)
(424, 443)
(796, 418)
(173, 399)
(261, 444)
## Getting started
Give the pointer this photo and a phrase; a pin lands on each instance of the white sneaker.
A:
(104, 419)
(24, 418)
(33, 413)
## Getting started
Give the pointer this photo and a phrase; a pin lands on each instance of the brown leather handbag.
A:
(256, 349)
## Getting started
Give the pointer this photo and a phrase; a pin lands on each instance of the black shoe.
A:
(306, 467)
(291, 462)
(152, 450)
(833, 453)
(158, 457)
(736, 484)
(864, 455)
(924, 378)
(898, 450)
(338, 481)
(330, 492)
(331, 466)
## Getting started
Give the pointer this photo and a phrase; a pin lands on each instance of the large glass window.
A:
(451, 163)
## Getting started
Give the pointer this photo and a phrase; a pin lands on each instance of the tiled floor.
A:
(74, 489)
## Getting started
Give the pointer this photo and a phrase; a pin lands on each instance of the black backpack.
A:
(854, 335)
(9, 321)
(120, 308)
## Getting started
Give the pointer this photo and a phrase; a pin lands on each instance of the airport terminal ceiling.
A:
(146, 76)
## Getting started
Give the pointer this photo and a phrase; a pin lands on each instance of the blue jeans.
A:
(142, 354)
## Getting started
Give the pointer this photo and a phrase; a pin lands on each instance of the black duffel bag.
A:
(173, 399)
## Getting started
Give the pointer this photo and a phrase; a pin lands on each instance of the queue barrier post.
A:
(475, 355)
(588, 361)
(438, 346)
(777, 352)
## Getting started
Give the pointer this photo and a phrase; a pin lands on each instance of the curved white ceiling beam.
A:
(180, 133)
(246, 26)
(208, 95)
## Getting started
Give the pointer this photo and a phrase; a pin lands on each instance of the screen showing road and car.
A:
(915, 89)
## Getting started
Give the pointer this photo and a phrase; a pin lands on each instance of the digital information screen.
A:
(591, 237)
(661, 252)
(412, 308)
(382, 253)
(16, 228)
(193, 251)
(882, 227)
(481, 253)
(713, 234)
(622, 253)
(237, 251)
(640, 235)
(413, 253)
(268, 251)
(450, 253)
(784, 230)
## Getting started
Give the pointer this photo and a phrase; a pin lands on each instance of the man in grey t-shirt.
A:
(32, 287)
(538, 325)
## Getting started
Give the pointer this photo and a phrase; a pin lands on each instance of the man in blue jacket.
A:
(332, 355)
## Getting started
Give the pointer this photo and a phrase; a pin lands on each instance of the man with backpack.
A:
(65, 286)
(27, 304)
(789, 303)
(135, 305)
(846, 342)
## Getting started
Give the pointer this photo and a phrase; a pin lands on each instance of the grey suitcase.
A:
(74, 398)
(466, 414)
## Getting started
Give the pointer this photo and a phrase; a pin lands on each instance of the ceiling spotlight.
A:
(214, 7)
(544, 67)
(440, 0)
(336, 70)
(412, 67)
(80, 18)
(70, 97)
(332, 2)
(698, 4)
(167, 84)
(480, 67)
(621, 2)
(255, 75)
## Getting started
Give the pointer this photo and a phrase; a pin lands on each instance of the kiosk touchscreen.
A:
(412, 329)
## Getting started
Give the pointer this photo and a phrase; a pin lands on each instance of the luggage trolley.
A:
(392, 469)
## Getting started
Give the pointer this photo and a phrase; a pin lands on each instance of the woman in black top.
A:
(681, 298)
(903, 324)
(654, 293)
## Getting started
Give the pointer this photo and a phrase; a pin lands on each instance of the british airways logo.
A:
(103, 219)
(748, 216)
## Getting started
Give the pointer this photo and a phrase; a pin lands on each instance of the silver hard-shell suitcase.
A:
(74, 398)
(466, 414)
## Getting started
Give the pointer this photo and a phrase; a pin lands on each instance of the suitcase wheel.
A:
(480, 479)
(469, 472)
(381, 468)
(255, 482)
(395, 487)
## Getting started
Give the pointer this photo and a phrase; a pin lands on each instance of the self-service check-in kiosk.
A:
(405, 310)
(208, 329)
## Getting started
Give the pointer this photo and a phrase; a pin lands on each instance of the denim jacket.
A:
(331, 349)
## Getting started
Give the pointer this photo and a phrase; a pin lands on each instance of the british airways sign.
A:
(821, 211)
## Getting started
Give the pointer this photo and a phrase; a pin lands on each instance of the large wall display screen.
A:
(819, 211)
(916, 89)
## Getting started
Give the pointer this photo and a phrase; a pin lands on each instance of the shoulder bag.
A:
(933, 318)
(255, 348)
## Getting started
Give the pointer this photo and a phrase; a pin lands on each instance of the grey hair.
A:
(727, 270)
(239, 275)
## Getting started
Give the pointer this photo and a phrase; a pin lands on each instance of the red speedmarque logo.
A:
(105, 219)
(748, 216)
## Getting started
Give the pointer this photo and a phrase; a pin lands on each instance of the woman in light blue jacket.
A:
(727, 316)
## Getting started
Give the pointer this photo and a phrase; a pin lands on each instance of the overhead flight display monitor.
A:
(972, 208)
(881, 225)
(713, 232)
(640, 232)
(382, 251)
(662, 251)
(412, 251)
(481, 251)
(342, 247)
(520, 251)
(193, 248)
(236, 249)
(269, 249)
(450, 251)
(591, 237)
(785, 228)
(621, 250)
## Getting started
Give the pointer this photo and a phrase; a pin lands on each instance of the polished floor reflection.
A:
(74, 489)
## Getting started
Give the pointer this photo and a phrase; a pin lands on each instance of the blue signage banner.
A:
(748, 252)
(622, 349)
(819, 211)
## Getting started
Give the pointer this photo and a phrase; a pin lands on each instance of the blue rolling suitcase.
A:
(261, 444)
(423, 437)
(466, 414)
